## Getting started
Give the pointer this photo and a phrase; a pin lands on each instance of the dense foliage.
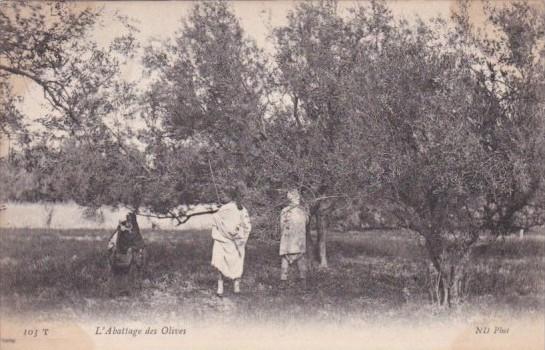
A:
(436, 123)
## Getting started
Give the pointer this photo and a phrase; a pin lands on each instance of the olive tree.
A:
(322, 146)
(83, 128)
(460, 155)
(208, 99)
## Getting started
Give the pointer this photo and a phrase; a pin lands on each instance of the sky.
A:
(160, 20)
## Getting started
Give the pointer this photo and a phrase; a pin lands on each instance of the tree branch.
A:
(54, 99)
(181, 219)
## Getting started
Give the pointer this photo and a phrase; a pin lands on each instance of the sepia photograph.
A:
(184, 175)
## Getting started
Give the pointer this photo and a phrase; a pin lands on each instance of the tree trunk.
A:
(310, 245)
(321, 238)
(449, 263)
(456, 293)
(448, 291)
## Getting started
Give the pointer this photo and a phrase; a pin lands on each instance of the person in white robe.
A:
(230, 230)
(293, 222)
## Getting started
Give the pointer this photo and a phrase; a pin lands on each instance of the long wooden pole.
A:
(214, 181)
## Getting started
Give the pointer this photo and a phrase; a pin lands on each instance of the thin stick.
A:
(214, 181)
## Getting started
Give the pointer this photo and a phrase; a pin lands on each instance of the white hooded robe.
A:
(230, 230)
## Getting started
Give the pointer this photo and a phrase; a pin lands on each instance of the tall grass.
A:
(372, 273)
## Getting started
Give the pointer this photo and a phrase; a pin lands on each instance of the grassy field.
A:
(373, 275)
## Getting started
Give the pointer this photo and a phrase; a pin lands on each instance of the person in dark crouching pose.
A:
(127, 256)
